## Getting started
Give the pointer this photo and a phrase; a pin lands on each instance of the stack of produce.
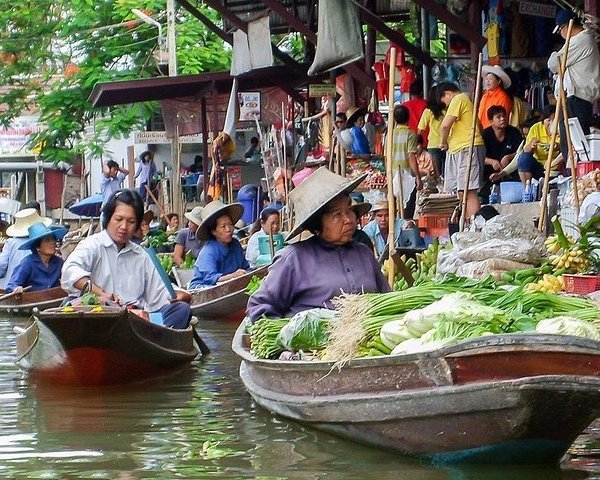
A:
(586, 184)
(437, 204)
(166, 261)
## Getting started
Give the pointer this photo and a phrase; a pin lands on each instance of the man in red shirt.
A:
(415, 105)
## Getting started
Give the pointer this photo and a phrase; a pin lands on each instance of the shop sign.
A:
(154, 138)
(316, 90)
(235, 175)
(537, 9)
(249, 106)
(14, 138)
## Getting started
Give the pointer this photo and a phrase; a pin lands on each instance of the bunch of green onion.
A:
(263, 337)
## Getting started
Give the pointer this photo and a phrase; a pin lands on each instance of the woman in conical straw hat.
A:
(309, 273)
(495, 82)
(222, 257)
(11, 256)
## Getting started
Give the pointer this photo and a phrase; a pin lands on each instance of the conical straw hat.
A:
(214, 210)
(314, 193)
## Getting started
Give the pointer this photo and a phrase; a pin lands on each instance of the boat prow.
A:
(225, 300)
(100, 348)
(496, 399)
(27, 301)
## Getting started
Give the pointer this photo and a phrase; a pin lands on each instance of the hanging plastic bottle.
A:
(528, 192)
(495, 194)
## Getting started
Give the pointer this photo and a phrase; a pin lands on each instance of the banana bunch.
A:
(572, 260)
(553, 245)
(400, 282)
(427, 263)
(548, 283)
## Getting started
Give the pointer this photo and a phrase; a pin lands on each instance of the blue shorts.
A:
(528, 164)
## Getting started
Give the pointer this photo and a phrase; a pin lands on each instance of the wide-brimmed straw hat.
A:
(38, 230)
(499, 72)
(214, 210)
(195, 215)
(380, 205)
(308, 198)
(352, 114)
(23, 220)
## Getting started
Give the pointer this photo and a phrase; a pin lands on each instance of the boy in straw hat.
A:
(186, 240)
(309, 273)
(11, 256)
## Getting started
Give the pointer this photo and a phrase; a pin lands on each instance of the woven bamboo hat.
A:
(195, 215)
(381, 205)
(309, 198)
(352, 114)
(214, 210)
(23, 220)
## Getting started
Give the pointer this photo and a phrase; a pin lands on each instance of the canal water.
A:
(199, 423)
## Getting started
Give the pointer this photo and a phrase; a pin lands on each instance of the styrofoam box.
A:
(594, 141)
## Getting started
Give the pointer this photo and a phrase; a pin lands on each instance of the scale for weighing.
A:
(264, 249)
(587, 147)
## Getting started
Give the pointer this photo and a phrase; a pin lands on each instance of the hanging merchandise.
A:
(252, 50)
(340, 36)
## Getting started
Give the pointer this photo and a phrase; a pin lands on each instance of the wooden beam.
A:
(454, 23)
(206, 21)
(311, 36)
(374, 21)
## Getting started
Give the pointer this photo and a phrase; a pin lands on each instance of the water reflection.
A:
(196, 423)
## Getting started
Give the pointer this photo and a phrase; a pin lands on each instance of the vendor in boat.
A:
(268, 223)
(18, 233)
(186, 240)
(309, 273)
(39, 270)
(110, 265)
(222, 256)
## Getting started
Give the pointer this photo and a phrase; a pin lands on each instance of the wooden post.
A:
(390, 169)
(559, 101)
(463, 212)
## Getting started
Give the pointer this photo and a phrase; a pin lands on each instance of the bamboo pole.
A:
(463, 210)
(565, 114)
(389, 167)
(559, 102)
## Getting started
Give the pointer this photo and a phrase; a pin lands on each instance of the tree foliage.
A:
(53, 52)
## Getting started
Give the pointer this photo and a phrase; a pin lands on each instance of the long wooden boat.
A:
(113, 346)
(496, 399)
(27, 301)
(225, 300)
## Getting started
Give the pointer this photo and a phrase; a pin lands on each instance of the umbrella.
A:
(88, 207)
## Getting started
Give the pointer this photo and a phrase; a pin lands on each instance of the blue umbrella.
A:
(88, 207)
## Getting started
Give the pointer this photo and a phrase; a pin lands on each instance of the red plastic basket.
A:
(581, 284)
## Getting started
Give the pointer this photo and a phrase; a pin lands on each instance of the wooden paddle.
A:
(165, 278)
(13, 294)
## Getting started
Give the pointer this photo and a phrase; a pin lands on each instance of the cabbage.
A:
(416, 345)
(568, 326)
(394, 332)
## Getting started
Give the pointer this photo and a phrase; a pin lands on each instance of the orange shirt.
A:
(497, 96)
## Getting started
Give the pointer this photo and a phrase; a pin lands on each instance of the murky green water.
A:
(198, 423)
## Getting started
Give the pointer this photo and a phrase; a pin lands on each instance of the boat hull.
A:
(425, 405)
(224, 301)
(100, 348)
(27, 301)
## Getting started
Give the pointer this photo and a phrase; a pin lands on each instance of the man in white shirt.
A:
(582, 74)
(111, 266)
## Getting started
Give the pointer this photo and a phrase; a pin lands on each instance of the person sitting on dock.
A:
(41, 269)
(308, 274)
(18, 233)
(110, 265)
(186, 240)
(222, 256)
(378, 228)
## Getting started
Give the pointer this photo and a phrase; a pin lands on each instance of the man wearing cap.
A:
(11, 256)
(582, 74)
(308, 274)
(378, 228)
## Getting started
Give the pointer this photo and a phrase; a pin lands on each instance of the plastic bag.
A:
(511, 227)
(448, 261)
(466, 239)
(516, 249)
(307, 330)
(493, 266)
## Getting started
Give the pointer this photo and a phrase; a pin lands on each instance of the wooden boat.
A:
(27, 301)
(225, 300)
(495, 399)
(113, 346)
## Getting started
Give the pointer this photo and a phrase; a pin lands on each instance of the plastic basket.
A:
(581, 284)
(434, 221)
(511, 192)
(586, 167)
